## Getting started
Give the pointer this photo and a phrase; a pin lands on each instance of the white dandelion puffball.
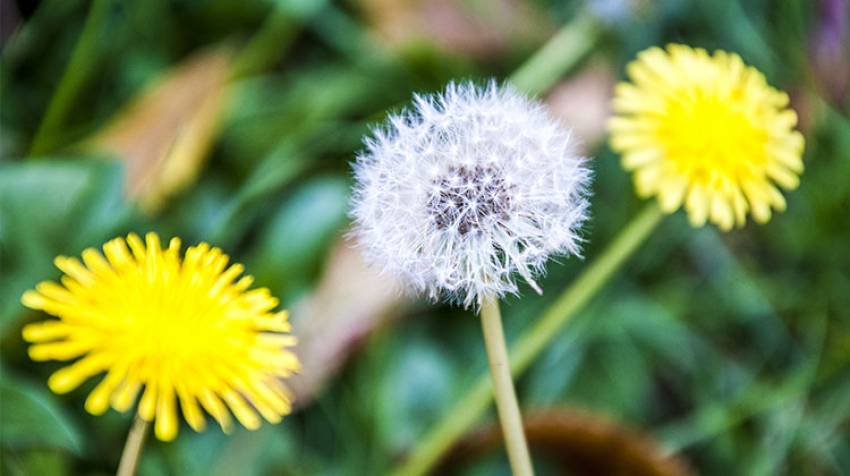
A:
(467, 189)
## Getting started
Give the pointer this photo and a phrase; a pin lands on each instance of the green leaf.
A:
(414, 389)
(31, 417)
(42, 462)
(51, 207)
(291, 247)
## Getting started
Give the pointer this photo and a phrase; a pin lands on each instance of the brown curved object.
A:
(578, 441)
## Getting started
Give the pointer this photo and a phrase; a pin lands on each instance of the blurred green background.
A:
(234, 121)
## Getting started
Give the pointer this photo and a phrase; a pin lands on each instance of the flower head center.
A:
(467, 198)
(161, 324)
(710, 138)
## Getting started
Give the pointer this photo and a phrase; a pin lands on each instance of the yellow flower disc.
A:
(706, 131)
(177, 330)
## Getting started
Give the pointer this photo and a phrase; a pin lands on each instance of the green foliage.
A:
(33, 418)
(36, 430)
(50, 207)
(311, 217)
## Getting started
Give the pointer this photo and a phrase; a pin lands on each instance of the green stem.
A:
(274, 37)
(133, 448)
(463, 415)
(569, 45)
(267, 45)
(80, 67)
(503, 387)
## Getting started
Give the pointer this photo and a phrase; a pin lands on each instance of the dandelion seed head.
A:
(468, 189)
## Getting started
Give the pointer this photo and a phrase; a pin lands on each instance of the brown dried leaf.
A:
(165, 133)
(482, 29)
(582, 102)
(350, 301)
(578, 442)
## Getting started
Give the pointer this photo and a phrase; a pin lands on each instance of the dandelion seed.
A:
(708, 132)
(467, 189)
(175, 330)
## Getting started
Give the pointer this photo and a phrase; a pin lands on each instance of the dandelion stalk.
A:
(503, 388)
(472, 406)
(133, 448)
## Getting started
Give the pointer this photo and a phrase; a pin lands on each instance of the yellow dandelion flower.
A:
(707, 131)
(184, 331)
